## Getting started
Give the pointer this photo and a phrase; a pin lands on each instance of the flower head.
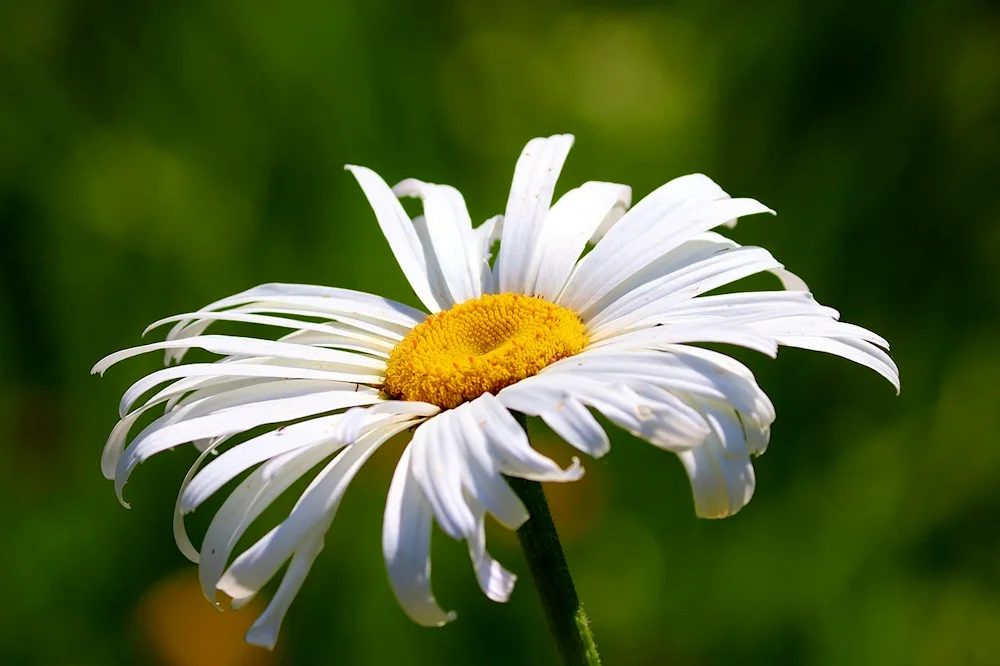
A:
(546, 330)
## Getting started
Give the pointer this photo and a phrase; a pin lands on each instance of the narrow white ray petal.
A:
(368, 328)
(531, 191)
(270, 404)
(406, 543)
(656, 337)
(196, 387)
(861, 352)
(680, 194)
(264, 632)
(482, 478)
(449, 228)
(257, 492)
(722, 476)
(242, 457)
(436, 468)
(312, 514)
(555, 403)
(570, 224)
(813, 326)
(411, 407)
(329, 301)
(181, 537)
(678, 368)
(699, 248)
(316, 339)
(154, 379)
(374, 331)
(509, 443)
(400, 233)
(657, 416)
(481, 245)
(648, 302)
(227, 344)
(616, 258)
(494, 580)
(269, 320)
(748, 306)
(435, 273)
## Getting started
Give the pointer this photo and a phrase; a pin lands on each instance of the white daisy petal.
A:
(227, 344)
(332, 329)
(677, 368)
(449, 228)
(747, 307)
(237, 460)
(654, 229)
(269, 403)
(406, 544)
(181, 537)
(722, 476)
(645, 305)
(480, 247)
(527, 207)
(309, 519)
(437, 469)
(340, 304)
(481, 478)
(657, 337)
(699, 248)
(510, 442)
(400, 233)
(222, 370)
(657, 415)
(494, 580)
(264, 631)
(257, 492)
(861, 352)
(570, 224)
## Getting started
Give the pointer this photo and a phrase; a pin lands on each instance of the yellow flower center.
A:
(481, 346)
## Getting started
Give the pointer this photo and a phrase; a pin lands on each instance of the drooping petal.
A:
(236, 411)
(531, 191)
(406, 546)
(510, 444)
(257, 492)
(722, 476)
(238, 459)
(436, 467)
(494, 580)
(264, 631)
(308, 520)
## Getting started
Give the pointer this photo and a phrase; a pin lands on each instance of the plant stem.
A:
(547, 563)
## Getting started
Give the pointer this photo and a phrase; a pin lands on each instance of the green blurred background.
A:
(155, 156)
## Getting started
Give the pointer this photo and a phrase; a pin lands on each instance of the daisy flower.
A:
(547, 329)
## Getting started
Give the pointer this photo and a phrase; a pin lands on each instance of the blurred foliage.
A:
(155, 156)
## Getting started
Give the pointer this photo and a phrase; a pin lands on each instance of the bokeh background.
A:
(155, 156)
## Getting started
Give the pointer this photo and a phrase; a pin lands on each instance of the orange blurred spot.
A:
(180, 628)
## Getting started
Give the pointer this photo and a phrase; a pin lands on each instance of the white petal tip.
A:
(262, 639)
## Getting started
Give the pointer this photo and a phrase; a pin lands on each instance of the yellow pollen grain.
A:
(480, 346)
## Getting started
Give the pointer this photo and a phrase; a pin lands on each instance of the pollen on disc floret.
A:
(480, 346)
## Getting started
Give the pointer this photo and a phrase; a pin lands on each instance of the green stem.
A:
(547, 563)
